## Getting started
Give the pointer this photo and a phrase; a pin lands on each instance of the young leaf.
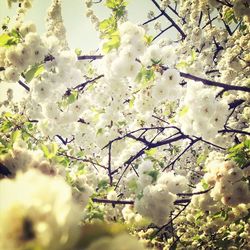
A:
(34, 71)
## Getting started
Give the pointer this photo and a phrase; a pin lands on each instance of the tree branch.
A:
(24, 85)
(227, 87)
(183, 35)
(84, 84)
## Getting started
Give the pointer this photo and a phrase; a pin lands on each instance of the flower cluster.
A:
(201, 114)
(17, 58)
(156, 198)
(228, 187)
(21, 159)
(122, 62)
(55, 26)
(227, 180)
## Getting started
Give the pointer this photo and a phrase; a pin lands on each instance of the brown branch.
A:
(182, 153)
(234, 131)
(114, 202)
(152, 19)
(130, 202)
(89, 57)
(169, 27)
(82, 160)
(172, 219)
(227, 87)
(109, 166)
(196, 193)
(24, 85)
(183, 35)
(84, 84)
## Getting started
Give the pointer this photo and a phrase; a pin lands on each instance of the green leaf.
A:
(205, 185)
(154, 174)
(78, 51)
(181, 65)
(229, 16)
(63, 160)
(148, 39)
(240, 153)
(217, 215)
(247, 144)
(103, 184)
(132, 184)
(108, 28)
(45, 150)
(199, 215)
(224, 215)
(151, 152)
(15, 135)
(201, 158)
(53, 148)
(183, 111)
(111, 4)
(113, 43)
(155, 62)
(131, 102)
(50, 150)
(99, 131)
(145, 76)
(5, 126)
(242, 27)
(8, 39)
(193, 55)
(4, 38)
(115, 4)
(121, 123)
(105, 24)
(72, 97)
(34, 71)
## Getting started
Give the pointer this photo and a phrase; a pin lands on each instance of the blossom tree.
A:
(143, 144)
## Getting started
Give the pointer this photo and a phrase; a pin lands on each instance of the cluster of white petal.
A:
(229, 187)
(156, 204)
(21, 159)
(161, 52)
(201, 114)
(167, 86)
(55, 26)
(46, 94)
(228, 183)
(122, 62)
(17, 58)
(155, 198)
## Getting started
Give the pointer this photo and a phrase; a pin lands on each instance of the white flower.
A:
(77, 107)
(152, 54)
(32, 39)
(172, 77)
(11, 74)
(51, 110)
(159, 92)
(16, 59)
(31, 217)
(156, 203)
(41, 90)
(26, 28)
(33, 109)
(175, 183)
